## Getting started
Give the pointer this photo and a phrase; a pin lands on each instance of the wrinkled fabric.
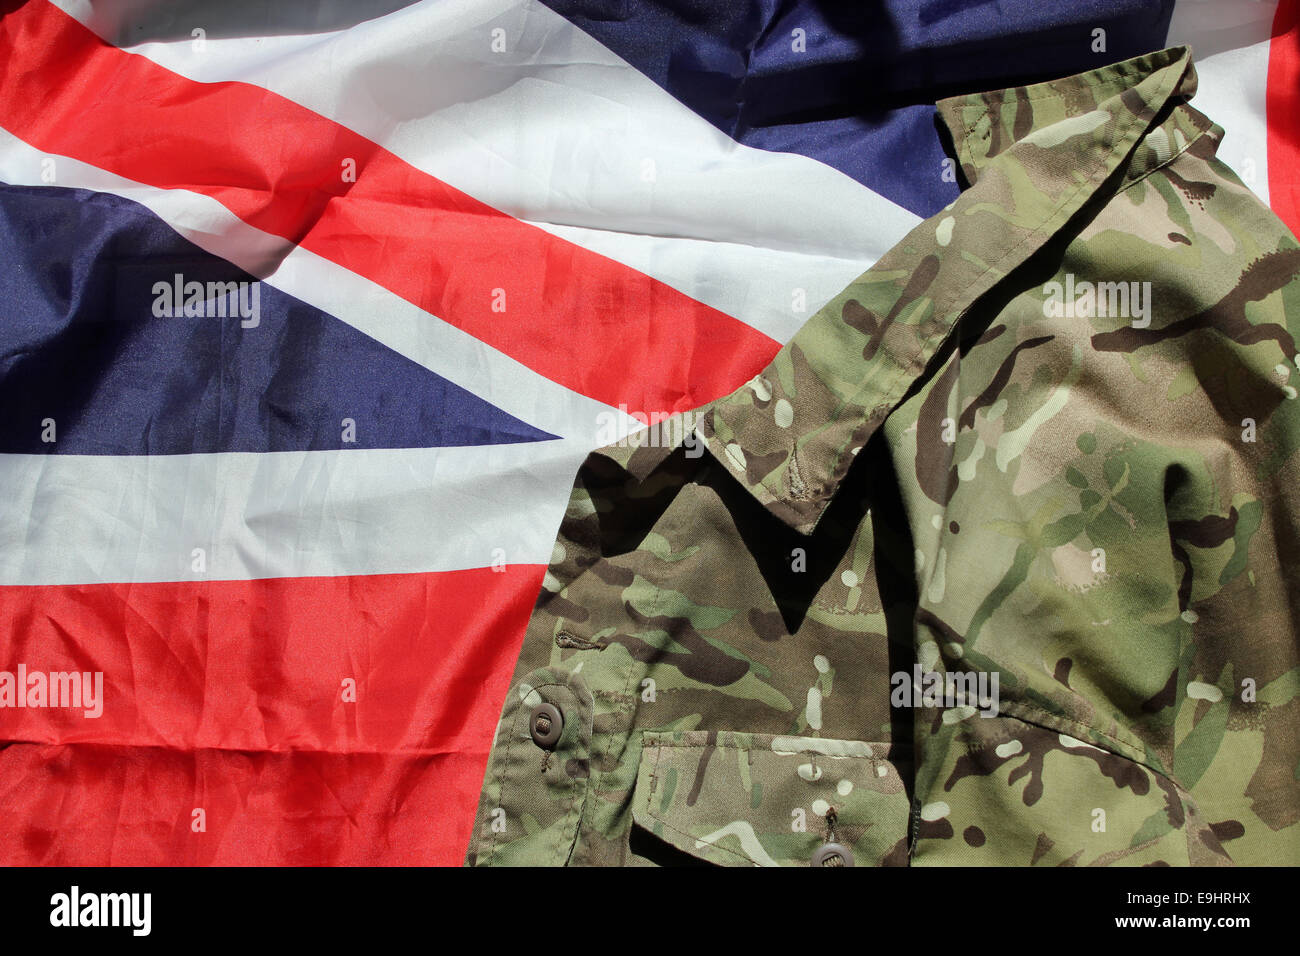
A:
(1012, 519)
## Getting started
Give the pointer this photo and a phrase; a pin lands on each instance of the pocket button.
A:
(832, 854)
(545, 725)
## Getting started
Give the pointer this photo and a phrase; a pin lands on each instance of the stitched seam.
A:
(1155, 169)
(967, 155)
(784, 753)
(720, 849)
(654, 776)
(1033, 711)
(914, 831)
(501, 780)
(984, 109)
(1049, 91)
(1109, 90)
(624, 706)
(573, 800)
(650, 812)
(1052, 93)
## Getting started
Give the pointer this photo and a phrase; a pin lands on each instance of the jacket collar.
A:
(1034, 156)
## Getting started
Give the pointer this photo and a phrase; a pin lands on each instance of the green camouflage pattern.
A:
(764, 800)
(1091, 495)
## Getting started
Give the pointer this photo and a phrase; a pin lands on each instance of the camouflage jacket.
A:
(998, 562)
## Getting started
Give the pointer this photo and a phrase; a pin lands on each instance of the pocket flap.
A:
(763, 800)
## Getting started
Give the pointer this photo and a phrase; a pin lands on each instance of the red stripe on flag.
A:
(576, 317)
(1283, 106)
(229, 697)
(89, 805)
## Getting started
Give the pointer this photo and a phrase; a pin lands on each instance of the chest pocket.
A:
(737, 799)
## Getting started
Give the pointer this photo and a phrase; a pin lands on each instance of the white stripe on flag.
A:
(1229, 41)
(559, 132)
(76, 519)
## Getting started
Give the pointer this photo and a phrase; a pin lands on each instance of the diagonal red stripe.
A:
(1283, 106)
(229, 696)
(576, 317)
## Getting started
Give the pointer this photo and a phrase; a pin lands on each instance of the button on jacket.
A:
(998, 562)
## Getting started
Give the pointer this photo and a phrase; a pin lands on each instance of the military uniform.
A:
(998, 562)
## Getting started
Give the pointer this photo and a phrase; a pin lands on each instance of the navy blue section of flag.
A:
(853, 84)
(98, 344)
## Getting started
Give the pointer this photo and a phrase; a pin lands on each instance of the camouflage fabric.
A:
(998, 562)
